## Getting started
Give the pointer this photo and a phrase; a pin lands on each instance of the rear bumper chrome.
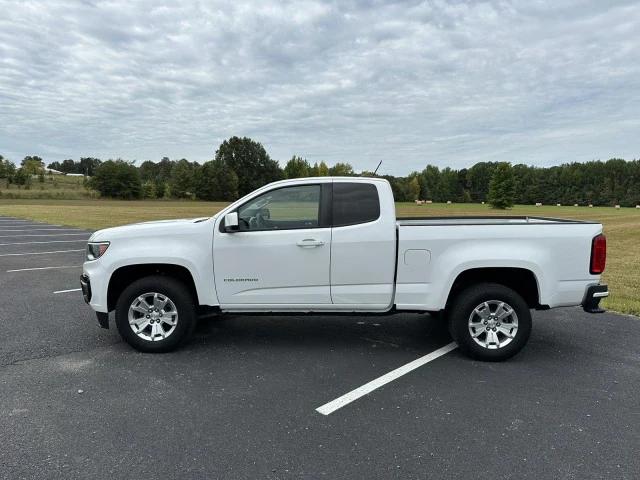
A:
(591, 301)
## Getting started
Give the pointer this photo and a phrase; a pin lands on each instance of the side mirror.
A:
(231, 222)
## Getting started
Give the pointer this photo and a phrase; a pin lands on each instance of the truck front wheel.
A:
(155, 314)
(490, 322)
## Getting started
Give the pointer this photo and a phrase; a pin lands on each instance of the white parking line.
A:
(70, 290)
(38, 253)
(353, 395)
(40, 230)
(45, 235)
(22, 223)
(34, 224)
(42, 268)
(48, 241)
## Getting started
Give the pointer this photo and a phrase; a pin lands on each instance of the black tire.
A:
(181, 298)
(463, 307)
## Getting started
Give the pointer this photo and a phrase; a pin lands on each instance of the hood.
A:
(174, 220)
(157, 227)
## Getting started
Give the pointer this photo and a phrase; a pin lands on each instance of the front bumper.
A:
(85, 285)
(592, 297)
(96, 272)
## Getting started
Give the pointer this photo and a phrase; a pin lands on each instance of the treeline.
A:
(85, 166)
(614, 182)
(31, 166)
(241, 165)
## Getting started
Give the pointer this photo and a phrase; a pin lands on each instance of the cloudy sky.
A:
(409, 83)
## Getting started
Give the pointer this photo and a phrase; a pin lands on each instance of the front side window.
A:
(282, 209)
(355, 203)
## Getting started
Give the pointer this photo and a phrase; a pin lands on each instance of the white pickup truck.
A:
(333, 245)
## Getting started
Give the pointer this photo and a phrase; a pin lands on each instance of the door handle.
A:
(310, 242)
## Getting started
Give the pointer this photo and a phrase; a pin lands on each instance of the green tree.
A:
(67, 166)
(21, 178)
(462, 187)
(181, 182)
(430, 184)
(297, 167)
(88, 166)
(632, 196)
(341, 170)
(414, 188)
(478, 179)
(117, 179)
(525, 184)
(165, 166)
(448, 185)
(7, 168)
(149, 171)
(250, 161)
(32, 165)
(323, 170)
(502, 186)
(162, 190)
(149, 189)
(158, 174)
(216, 181)
(319, 170)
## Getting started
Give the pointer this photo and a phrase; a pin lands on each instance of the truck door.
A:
(281, 253)
(363, 244)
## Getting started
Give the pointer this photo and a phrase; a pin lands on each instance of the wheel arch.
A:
(521, 280)
(124, 276)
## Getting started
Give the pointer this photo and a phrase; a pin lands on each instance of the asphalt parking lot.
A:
(240, 400)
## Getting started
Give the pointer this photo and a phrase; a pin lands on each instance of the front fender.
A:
(188, 251)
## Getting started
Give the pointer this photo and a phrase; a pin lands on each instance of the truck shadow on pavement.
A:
(407, 331)
(556, 336)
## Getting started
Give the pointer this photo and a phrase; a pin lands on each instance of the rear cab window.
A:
(354, 203)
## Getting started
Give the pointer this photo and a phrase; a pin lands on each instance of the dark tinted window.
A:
(355, 203)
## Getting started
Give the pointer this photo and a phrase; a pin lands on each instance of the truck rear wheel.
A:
(490, 322)
(155, 314)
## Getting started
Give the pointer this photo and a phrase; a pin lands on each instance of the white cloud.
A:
(411, 83)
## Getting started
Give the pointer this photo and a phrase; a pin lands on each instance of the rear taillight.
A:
(598, 254)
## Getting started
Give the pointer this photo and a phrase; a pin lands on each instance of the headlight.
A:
(96, 249)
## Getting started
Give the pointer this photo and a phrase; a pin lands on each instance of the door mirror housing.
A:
(231, 222)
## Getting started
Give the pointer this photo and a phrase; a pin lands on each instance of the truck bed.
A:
(556, 251)
(485, 220)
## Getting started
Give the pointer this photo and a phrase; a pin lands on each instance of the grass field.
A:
(622, 227)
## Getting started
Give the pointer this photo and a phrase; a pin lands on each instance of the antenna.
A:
(374, 172)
